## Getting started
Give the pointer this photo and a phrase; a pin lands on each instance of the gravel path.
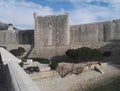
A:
(74, 82)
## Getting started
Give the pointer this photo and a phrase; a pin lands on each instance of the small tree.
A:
(71, 52)
(18, 52)
(84, 54)
(96, 54)
(21, 50)
(54, 64)
(42, 60)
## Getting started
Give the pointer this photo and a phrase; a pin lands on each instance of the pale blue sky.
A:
(20, 12)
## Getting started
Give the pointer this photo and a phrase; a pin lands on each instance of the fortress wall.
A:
(16, 37)
(102, 35)
(84, 33)
(116, 30)
(8, 37)
(53, 36)
(15, 46)
(48, 52)
(2, 37)
(52, 30)
(11, 37)
(97, 32)
(25, 37)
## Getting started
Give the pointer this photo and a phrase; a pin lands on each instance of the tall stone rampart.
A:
(16, 37)
(52, 30)
(96, 32)
(53, 36)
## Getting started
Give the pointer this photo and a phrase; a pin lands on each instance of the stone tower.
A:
(52, 30)
(10, 27)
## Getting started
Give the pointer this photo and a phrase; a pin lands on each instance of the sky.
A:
(20, 12)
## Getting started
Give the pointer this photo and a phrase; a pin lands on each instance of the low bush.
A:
(17, 52)
(32, 69)
(71, 53)
(107, 54)
(14, 52)
(54, 64)
(84, 54)
(78, 55)
(96, 54)
(21, 50)
(41, 60)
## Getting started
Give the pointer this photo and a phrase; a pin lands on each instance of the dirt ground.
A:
(75, 82)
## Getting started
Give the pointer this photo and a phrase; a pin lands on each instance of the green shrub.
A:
(84, 54)
(14, 52)
(18, 52)
(107, 54)
(42, 60)
(71, 52)
(21, 50)
(54, 63)
(96, 53)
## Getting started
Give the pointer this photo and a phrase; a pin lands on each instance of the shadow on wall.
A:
(114, 49)
(28, 53)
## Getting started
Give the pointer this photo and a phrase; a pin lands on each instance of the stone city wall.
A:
(96, 32)
(16, 37)
(53, 36)
(102, 35)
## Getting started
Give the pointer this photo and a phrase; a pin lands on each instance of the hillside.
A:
(4, 26)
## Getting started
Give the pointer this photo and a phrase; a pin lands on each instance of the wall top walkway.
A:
(20, 81)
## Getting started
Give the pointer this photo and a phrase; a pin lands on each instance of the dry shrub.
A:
(77, 68)
(69, 68)
(64, 68)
